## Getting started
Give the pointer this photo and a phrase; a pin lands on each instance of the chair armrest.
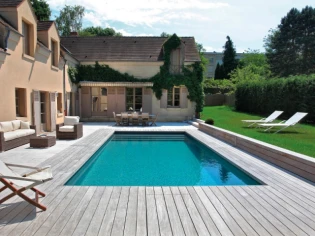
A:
(37, 170)
(59, 125)
(78, 127)
(22, 166)
(1, 137)
(33, 127)
(20, 178)
(282, 122)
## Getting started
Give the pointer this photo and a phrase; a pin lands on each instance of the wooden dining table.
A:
(139, 116)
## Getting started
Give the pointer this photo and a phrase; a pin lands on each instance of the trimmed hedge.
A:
(293, 94)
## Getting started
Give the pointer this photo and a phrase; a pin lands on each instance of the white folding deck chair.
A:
(268, 119)
(18, 184)
(296, 118)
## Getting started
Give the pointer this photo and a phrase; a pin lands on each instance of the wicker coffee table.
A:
(42, 141)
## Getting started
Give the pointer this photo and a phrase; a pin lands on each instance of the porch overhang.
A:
(116, 84)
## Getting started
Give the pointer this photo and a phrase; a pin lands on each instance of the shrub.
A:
(209, 121)
(293, 94)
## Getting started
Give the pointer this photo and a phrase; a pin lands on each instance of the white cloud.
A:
(137, 12)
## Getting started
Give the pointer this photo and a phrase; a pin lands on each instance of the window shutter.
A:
(147, 100)
(163, 101)
(183, 97)
(36, 110)
(52, 111)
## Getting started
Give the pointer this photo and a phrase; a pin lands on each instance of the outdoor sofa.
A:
(70, 129)
(15, 133)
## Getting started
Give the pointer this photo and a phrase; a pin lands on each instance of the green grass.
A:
(300, 139)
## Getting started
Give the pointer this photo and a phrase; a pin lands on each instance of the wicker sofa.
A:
(15, 133)
(70, 129)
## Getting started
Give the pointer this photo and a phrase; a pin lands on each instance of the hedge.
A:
(293, 94)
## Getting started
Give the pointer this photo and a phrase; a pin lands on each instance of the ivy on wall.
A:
(192, 76)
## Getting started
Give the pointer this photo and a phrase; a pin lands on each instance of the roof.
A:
(43, 25)
(6, 23)
(108, 48)
(10, 3)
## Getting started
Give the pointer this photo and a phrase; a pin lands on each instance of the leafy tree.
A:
(70, 19)
(290, 47)
(164, 34)
(219, 72)
(229, 58)
(99, 31)
(252, 66)
(41, 9)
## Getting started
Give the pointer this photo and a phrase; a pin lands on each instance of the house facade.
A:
(35, 85)
(32, 83)
(140, 57)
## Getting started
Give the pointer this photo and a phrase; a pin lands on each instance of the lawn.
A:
(299, 139)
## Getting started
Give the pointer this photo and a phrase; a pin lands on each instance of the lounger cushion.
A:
(17, 134)
(16, 124)
(25, 125)
(66, 128)
(71, 120)
(6, 126)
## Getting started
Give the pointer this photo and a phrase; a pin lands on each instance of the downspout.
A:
(64, 87)
(6, 38)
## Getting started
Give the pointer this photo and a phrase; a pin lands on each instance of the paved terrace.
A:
(284, 206)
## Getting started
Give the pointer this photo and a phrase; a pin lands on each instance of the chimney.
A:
(74, 34)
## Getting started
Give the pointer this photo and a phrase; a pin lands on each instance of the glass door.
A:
(133, 99)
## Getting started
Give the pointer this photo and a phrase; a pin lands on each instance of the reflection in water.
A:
(224, 174)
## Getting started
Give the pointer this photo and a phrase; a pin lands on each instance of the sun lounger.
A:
(296, 118)
(18, 184)
(269, 119)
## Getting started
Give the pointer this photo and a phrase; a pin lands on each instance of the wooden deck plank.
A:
(97, 219)
(242, 210)
(276, 219)
(121, 212)
(131, 218)
(215, 216)
(51, 220)
(290, 213)
(89, 212)
(67, 213)
(78, 213)
(164, 221)
(108, 220)
(229, 212)
(212, 228)
(152, 218)
(194, 214)
(141, 212)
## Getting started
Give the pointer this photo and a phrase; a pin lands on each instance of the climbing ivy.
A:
(192, 76)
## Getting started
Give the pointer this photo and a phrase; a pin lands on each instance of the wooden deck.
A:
(285, 205)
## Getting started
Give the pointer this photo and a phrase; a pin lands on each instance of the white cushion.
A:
(66, 128)
(17, 134)
(16, 124)
(6, 126)
(71, 120)
(25, 125)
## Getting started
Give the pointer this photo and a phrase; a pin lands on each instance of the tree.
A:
(99, 31)
(229, 57)
(41, 9)
(290, 47)
(70, 19)
(164, 34)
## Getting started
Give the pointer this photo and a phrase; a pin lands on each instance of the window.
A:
(211, 60)
(59, 103)
(175, 67)
(99, 99)
(173, 97)
(26, 39)
(20, 102)
(133, 99)
(53, 53)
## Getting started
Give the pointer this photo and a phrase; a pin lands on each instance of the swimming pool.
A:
(157, 159)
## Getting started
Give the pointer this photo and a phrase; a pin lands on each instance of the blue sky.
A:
(246, 21)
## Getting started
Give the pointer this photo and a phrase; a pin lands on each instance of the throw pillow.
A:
(25, 125)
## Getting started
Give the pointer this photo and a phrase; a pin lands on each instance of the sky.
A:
(247, 22)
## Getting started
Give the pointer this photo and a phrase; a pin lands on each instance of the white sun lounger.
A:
(18, 184)
(296, 118)
(269, 119)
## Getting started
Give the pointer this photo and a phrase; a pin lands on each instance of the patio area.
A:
(285, 205)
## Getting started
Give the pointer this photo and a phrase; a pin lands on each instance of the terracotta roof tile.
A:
(10, 3)
(43, 25)
(124, 48)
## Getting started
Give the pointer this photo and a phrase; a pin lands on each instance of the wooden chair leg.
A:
(39, 192)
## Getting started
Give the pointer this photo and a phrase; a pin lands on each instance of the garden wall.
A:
(219, 99)
(296, 163)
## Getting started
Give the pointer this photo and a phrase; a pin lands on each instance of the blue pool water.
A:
(157, 159)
